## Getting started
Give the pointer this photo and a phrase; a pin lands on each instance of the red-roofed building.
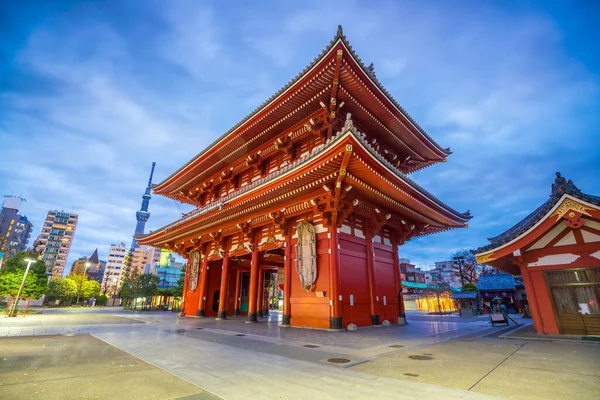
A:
(313, 184)
(556, 249)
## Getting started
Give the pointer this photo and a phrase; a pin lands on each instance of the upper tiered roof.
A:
(357, 86)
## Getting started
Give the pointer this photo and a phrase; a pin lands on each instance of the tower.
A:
(129, 264)
(142, 215)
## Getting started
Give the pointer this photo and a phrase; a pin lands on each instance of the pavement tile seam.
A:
(302, 364)
(154, 365)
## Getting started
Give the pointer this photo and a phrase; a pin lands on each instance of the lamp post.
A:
(13, 311)
(459, 261)
(87, 264)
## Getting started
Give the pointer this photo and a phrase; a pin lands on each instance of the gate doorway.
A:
(575, 295)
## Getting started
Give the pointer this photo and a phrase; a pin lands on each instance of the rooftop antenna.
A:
(151, 173)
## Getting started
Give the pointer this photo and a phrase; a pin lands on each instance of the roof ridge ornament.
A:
(561, 184)
(349, 124)
(371, 70)
(340, 32)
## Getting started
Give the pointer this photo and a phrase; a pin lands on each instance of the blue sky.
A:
(92, 92)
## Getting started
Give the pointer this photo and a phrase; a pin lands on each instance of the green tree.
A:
(469, 287)
(11, 276)
(134, 286)
(62, 288)
(127, 291)
(90, 289)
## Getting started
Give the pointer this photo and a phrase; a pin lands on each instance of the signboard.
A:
(165, 258)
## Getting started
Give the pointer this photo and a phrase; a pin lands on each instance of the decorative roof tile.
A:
(560, 187)
(339, 36)
(496, 282)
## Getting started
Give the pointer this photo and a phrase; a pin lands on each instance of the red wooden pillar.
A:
(222, 314)
(335, 316)
(261, 294)
(532, 299)
(238, 292)
(202, 287)
(266, 296)
(254, 272)
(287, 280)
(371, 277)
(398, 277)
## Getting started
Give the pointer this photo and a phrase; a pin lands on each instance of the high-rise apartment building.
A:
(111, 277)
(55, 241)
(15, 229)
(144, 259)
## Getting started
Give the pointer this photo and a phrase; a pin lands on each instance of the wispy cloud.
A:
(93, 93)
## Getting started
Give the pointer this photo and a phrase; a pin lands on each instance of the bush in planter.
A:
(101, 300)
(469, 287)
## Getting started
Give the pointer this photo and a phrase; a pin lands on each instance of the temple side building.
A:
(556, 249)
(314, 185)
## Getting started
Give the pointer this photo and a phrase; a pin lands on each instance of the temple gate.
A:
(314, 182)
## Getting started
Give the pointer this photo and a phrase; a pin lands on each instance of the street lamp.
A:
(87, 264)
(13, 311)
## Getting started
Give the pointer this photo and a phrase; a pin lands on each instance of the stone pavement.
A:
(434, 357)
(82, 367)
(266, 362)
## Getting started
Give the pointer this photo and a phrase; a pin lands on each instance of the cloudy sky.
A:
(92, 92)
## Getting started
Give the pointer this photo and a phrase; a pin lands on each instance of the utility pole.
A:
(459, 261)
(13, 311)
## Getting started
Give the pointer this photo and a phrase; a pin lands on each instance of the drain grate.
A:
(397, 346)
(311, 346)
(199, 328)
(427, 354)
(240, 334)
(54, 345)
(177, 331)
(413, 375)
(420, 358)
(338, 360)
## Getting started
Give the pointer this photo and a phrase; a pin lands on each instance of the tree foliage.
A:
(11, 276)
(469, 287)
(85, 288)
(139, 285)
(62, 287)
(471, 270)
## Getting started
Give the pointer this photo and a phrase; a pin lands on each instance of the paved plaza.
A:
(432, 357)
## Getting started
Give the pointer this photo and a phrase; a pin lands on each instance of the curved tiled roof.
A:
(496, 282)
(530, 220)
(339, 36)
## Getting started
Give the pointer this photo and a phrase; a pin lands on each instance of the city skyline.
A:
(513, 106)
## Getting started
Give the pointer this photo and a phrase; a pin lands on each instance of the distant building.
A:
(448, 273)
(15, 229)
(91, 265)
(168, 270)
(94, 267)
(111, 276)
(409, 272)
(144, 260)
(54, 243)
